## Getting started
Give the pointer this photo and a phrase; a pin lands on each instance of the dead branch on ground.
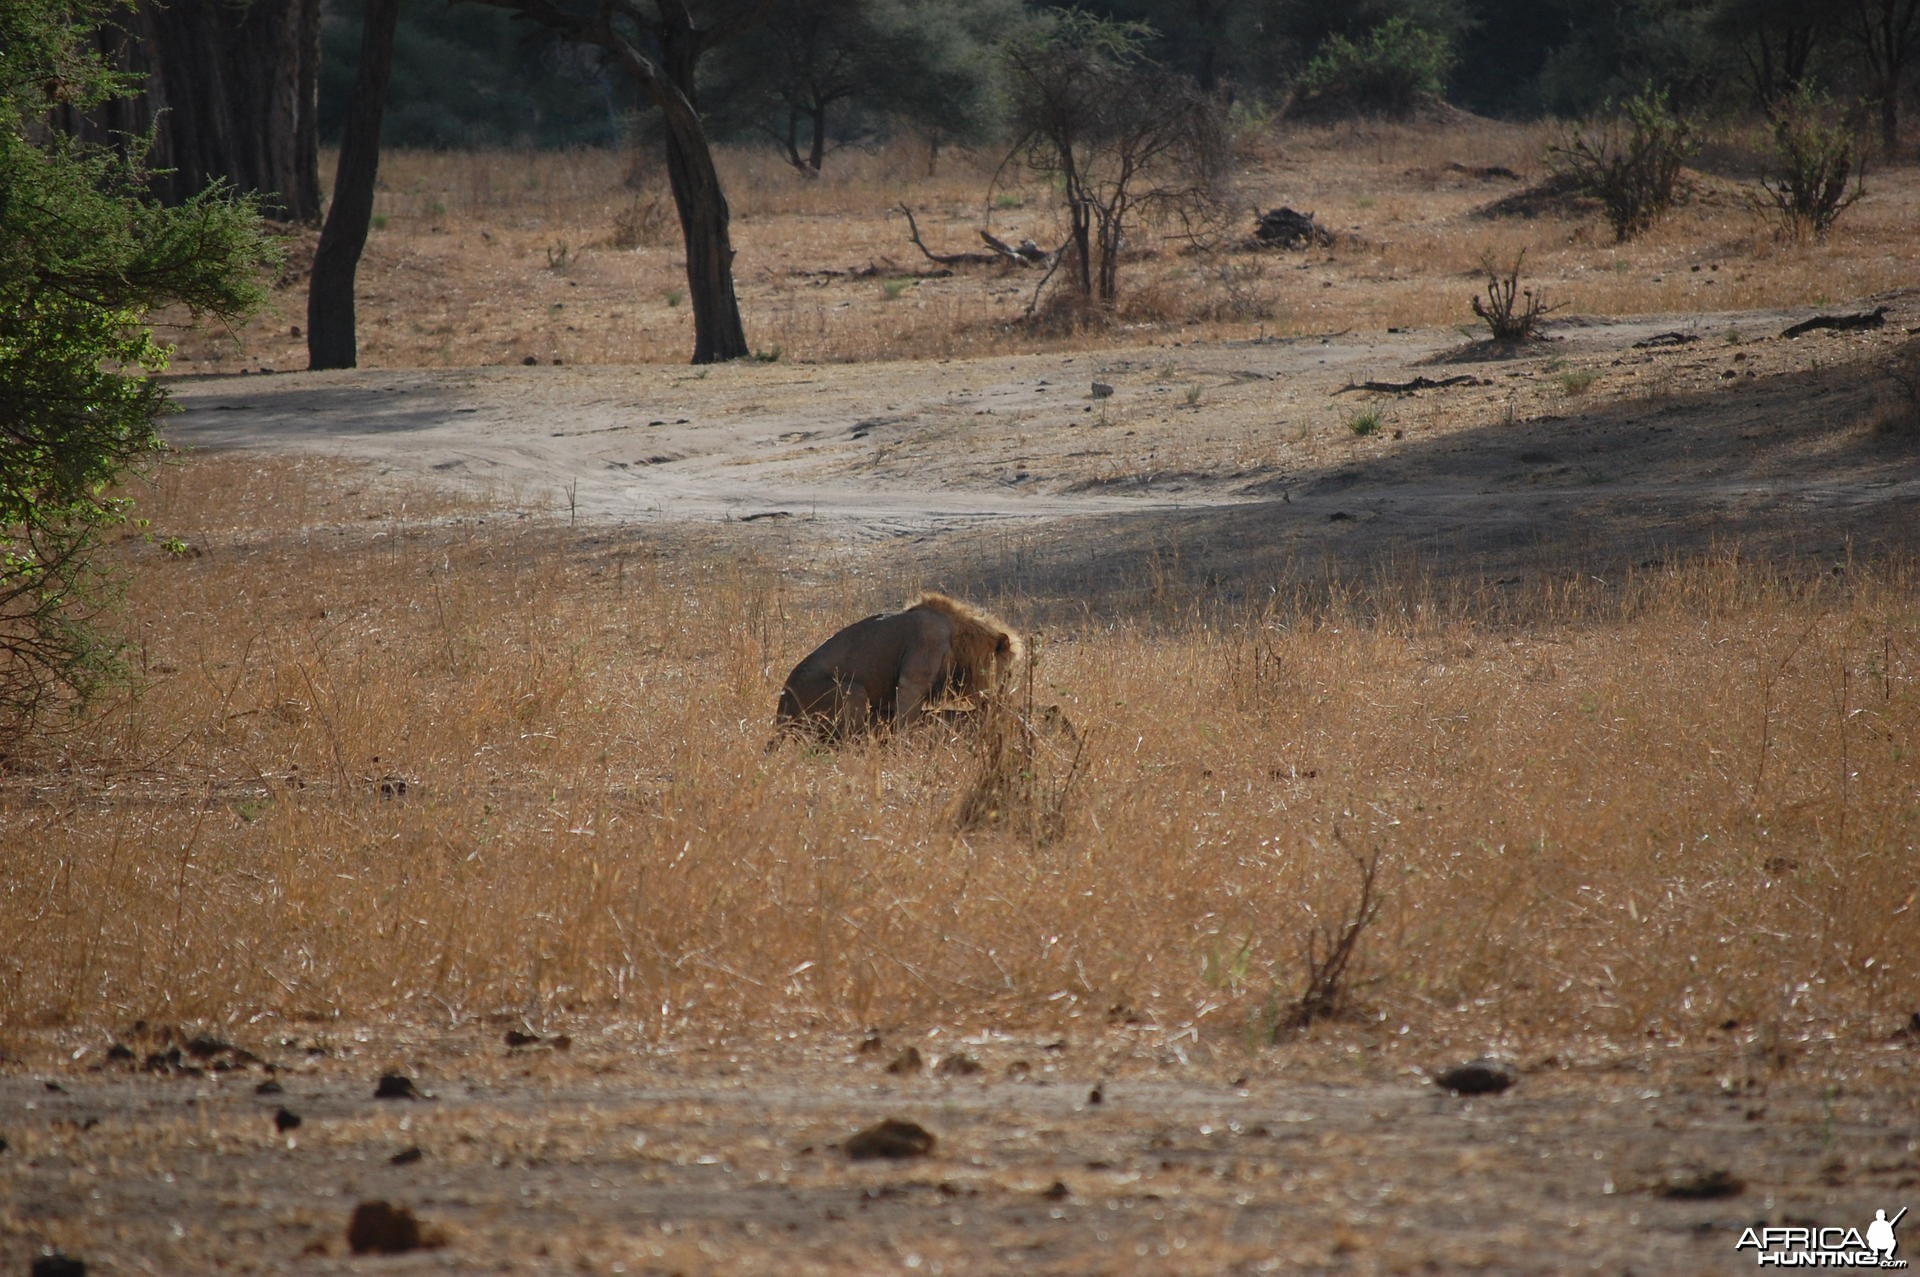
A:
(1408, 387)
(1329, 952)
(1027, 254)
(1875, 318)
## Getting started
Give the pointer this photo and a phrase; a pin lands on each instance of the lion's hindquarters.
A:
(847, 684)
(894, 668)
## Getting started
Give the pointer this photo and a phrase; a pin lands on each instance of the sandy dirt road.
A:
(1237, 468)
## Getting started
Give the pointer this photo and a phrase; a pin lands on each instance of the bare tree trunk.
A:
(819, 153)
(1083, 244)
(1110, 224)
(1080, 219)
(1889, 32)
(1777, 63)
(233, 88)
(704, 219)
(330, 318)
(664, 73)
(792, 138)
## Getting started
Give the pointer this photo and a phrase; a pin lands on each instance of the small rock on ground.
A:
(381, 1228)
(1478, 1077)
(890, 1138)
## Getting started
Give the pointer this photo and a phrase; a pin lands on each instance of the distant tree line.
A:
(244, 90)
(810, 75)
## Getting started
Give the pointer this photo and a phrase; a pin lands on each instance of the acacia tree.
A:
(660, 43)
(1122, 136)
(86, 251)
(1888, 32)
(925, 62)
(1777, 40)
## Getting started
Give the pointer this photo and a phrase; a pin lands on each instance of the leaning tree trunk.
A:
(330, 319)
(665, 73)
(698, 197)
(817, 115)
(718, 334)
(233, 90)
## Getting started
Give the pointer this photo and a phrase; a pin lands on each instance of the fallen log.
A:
(1408, 387)
(1027, 253)
(949, 259)
(1875, 318)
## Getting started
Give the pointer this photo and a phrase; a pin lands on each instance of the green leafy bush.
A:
(1397, 68)
(1630, 160)
(1813, 173)
(85, 254)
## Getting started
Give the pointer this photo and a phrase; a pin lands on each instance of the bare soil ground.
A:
(1614, 442)
(1213, 470)
(1118, 1152)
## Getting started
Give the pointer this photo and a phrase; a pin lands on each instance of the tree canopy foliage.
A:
(474, 78)
(814, 70)
(86, 251)
(1393, 70)
(827, 72)
(1121, 135)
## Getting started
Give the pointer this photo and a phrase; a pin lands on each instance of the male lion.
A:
(888, 670)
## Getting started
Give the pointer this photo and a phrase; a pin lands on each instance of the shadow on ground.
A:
(1789, 468)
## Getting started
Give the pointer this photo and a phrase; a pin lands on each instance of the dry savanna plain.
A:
(1431, 700)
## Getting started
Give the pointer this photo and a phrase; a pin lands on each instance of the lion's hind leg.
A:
(852, 713)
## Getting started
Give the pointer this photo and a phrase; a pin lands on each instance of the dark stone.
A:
(1698, 1185)
(381, 1228)
(1478, 1077)
(890, 1138)
(397, 1086)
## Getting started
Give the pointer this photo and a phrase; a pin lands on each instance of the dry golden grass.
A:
(404, 768)
(393, 766)
(573, 257)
